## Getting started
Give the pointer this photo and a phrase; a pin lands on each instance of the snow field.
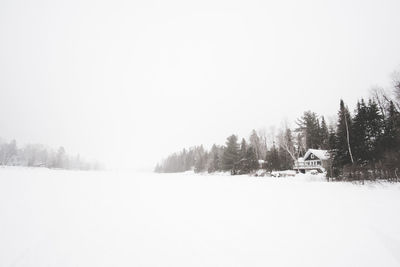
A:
(67, 218)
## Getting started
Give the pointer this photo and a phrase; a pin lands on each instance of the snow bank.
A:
(308, 177)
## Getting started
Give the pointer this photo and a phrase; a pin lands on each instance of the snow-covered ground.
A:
(66, 218)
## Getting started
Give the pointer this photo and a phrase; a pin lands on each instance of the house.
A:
(313, 160)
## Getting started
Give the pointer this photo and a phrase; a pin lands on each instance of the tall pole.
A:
(348, 137)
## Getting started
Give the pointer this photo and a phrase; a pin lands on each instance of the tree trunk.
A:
(348, 139)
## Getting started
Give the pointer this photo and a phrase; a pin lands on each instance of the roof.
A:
(319, 153)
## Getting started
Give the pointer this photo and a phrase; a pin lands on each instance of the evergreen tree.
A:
(272, 159)
(214, 164)
(342, 153)
(368, 126)
(324, 134)
(332, 139)
(231, 153)
(359, 133)
(390, 141)
(308, 126)
(252, 160)
(186, 162)
(374, 130)
(285, 160)
(201, 163)
(243, 149)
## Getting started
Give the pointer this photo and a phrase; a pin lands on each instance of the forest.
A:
(38, 155)
(363, 144)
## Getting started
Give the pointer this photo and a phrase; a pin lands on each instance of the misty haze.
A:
(199, 133)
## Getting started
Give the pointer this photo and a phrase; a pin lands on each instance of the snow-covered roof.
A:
(319, 153)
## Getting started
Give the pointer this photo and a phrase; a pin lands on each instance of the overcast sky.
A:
(128, 82)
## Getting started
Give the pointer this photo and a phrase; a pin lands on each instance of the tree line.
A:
(272, 152)
(233, 157)
(38, 155)
(367, 142)
(363, 144)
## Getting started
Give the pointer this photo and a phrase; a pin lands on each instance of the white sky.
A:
(128, 82)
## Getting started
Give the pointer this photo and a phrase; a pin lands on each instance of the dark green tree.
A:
(243, 149)
(285, 160)
(332, 139)
(251, 158)
(273, 163)
(343, 153)
(231, 153)
(359, 131)
(308, 126)
(374, 131)
(215, 164)
(324, 134)
(390, 141)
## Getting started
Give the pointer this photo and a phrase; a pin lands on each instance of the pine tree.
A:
(231, 153)
(186, 164)
(374, 130)
(214, 164)
(285, 160)
(272, 159)
(308, 125)
(324, 134)
(368, 127)
(200, 160)
(243, 149)
(200, 165)
(390, 141)
(342, 153)
(359, 133)
(332, 139)
(252, 160)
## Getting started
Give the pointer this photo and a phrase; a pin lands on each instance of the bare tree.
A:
(348, 139)
(271, 135)
(381, 98)
(285, 141)
(255, 143)
(396, 87)
(263, 142)
(8, 151)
